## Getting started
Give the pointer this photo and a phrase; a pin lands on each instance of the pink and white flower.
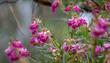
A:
(55, 5)
(34, 27)
(76, 8)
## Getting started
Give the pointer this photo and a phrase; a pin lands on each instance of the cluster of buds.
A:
(16, 51)
(75, 22)
(100, 28)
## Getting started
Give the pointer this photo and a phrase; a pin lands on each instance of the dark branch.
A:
(8, 1)
(43, 2)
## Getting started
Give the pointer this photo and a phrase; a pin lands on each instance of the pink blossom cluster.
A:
(71, 48)
(16, 51)
(100, 28)
(99, 49)
(74, 48)
(38, 38)
(75, 22)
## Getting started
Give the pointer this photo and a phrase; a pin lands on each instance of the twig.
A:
(17, 21)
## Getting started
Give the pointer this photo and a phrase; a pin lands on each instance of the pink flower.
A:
(55, 5)
(8, 50)
(97, 32)
(67, 9)
(34, 41)
(17, 44)
(16, 50)
(34, 27)
(76, 8)
(100, 28)
(82, 21)
(75, 48)
(66, 47)
(106, 45)
(24, 52)
(71, 48)
(71, 21)
(103, 23)
(11, 54)
(42, 37)
(98, 50)
(75, 23)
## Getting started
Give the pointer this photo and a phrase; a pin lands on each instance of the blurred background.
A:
(15, 18)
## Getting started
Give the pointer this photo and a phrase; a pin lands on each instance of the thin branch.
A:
(17, 21)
